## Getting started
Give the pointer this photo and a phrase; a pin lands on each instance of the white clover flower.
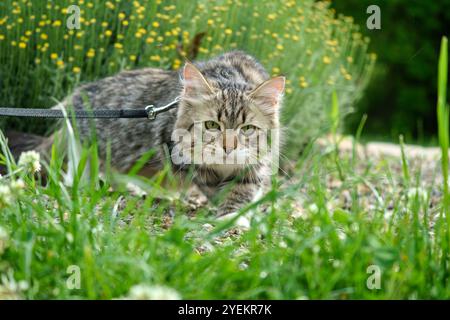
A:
(6, 197)
(146, 292)
(4, 240)
(30, 160)
(10, 289)
(17, 186)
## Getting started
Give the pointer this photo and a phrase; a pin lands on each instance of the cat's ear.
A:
(270, 91)
(194, 81)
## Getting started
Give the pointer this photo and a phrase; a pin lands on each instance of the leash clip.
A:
(153, 111)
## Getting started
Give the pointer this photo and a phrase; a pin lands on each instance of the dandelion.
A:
(22, 45)
(108, 33)
(54, 56)
(60, 63)
(30, 160)
(150, 40)
(118, 45)
(122, 16)
(228, 31)
(155, 24)
(2, 37)
(57, 23)
(146, 292)
(280, 47)
(133, 57)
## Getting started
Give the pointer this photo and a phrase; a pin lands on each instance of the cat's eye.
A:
(212, 125)
(248, 130)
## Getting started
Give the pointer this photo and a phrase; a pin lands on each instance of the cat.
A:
(228, 99)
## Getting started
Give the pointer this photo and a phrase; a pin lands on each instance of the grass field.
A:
(335, 225)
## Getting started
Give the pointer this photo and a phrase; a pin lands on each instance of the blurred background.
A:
(401, 96)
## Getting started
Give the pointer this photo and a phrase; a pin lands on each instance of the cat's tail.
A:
(19, 142)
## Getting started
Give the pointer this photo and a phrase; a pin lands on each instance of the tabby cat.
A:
(231, 103)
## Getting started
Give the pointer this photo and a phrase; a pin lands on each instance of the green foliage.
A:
(41, 60)
(302, 246)
(401, 96)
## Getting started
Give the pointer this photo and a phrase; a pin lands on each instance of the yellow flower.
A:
(155, 24)
(122, 16)
(104, 24)
(118, 45)
(54, 56)
(326, 60)
(91, 53)
(210, 22)
(22, 45)
(76, 70)
(138, 35)
(125, 22)
(28, 33)
(60, 63)
(108, 33)
(228, 31)
(2, 37)
(44, 36)
(275, 70)
(280, 47)
(133, 57)
(150, 40)
(37, 61)
(57, 23)
(155, 58)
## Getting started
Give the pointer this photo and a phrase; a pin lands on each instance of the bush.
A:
(401, 99)
(42, 60)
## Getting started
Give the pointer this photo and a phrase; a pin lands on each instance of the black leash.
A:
(149, 112)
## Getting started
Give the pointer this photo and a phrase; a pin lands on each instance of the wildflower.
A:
(280, 47)
(4, 240)
(57, 23)
(150, 40)
(146, 292)
(6, 197)
(108, 33)
(133, 57)
(155, 24)
(54, 56)
(118, 45)
(122, 16)
(228, 31)
(90, 53)
(22, 45)
(2, 37)
(275, 70)
(17, 186)
(125, 22)
(30, 160)
(60, 63)
(326, 60)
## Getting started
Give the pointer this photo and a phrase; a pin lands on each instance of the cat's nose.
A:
(229, 144)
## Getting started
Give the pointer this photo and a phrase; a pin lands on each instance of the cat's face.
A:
(226, 128)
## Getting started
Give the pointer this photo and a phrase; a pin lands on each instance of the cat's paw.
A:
(242, 222)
